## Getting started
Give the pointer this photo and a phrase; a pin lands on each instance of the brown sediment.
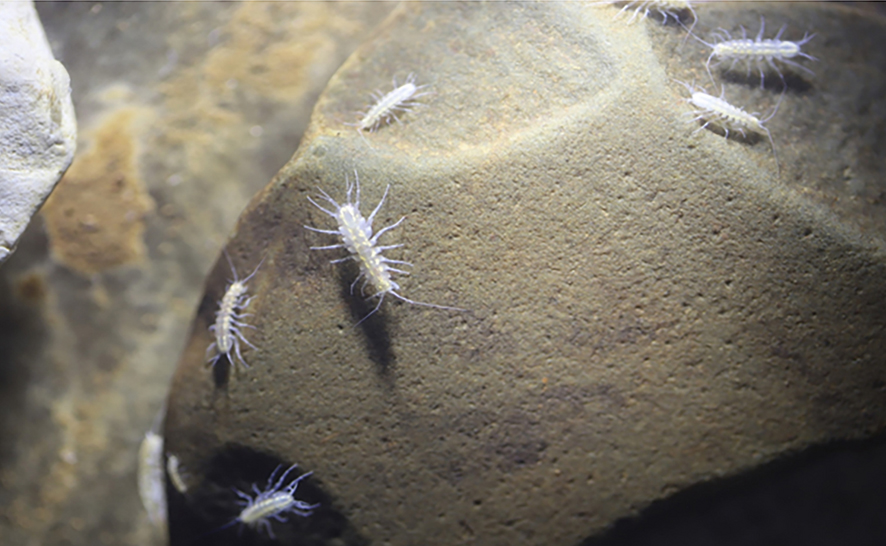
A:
(95, 217)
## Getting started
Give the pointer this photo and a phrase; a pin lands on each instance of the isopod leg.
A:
(388, 228)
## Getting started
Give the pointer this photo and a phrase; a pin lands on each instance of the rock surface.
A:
(186, 109)
(649, 306)
(38, 130)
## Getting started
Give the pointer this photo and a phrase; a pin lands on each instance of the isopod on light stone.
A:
(356, 235)
(716, 110)
(400, 99)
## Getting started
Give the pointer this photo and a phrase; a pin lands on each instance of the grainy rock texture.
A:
(38, 130)
(187, 109)
(649, 306)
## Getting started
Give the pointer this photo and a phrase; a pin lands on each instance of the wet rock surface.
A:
(185, 111)
(648, 306)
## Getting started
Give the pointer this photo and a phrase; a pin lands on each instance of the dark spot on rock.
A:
(31, 287)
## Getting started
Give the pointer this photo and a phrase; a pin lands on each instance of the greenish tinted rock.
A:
(649, 306)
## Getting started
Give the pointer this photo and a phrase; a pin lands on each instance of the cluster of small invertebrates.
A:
(229, 320)
(759, 53)
(358, 239)
(276, 501)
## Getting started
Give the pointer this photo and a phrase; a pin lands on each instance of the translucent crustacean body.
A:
(274, 503)
(357, 237)
(229, 320)
(757, 53)
(717, 111)
(400, 99)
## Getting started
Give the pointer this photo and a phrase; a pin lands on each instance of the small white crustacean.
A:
(400, 99)
(274, 502)
(151, 480)
(175, 473)
(717, 111)
(356, 235)
(229, 320)
(757, 53)
(665, 8)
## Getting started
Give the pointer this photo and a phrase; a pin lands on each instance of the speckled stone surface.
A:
(648, 306)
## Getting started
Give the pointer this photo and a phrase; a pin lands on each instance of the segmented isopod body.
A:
(716, 110)
(275, 502)
(400, 99)
(356, 235)
(229, 319)
(665, 8)
(758, 51)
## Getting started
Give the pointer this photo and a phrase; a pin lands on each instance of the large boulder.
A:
(649, 305)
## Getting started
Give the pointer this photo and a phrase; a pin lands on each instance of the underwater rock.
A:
(649, 305)
(187, 109)
(95, 218)
(38, 130)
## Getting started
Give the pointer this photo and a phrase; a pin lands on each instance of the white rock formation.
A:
(38, 131)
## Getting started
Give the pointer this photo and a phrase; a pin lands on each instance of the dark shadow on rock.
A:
(825, 495)
(374, 327)
(199, 518)
(221, 372)
(22, 336)
(771, 82)
(749, 137)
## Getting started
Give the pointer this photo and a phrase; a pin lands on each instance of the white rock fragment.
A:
(38, 130)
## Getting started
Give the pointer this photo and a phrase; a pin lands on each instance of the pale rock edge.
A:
(38, 129)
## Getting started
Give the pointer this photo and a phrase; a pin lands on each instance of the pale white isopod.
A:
(230, 319)
(716, 110)
(386, 106)
(358, 239)
(275, 502)
(757, 53)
